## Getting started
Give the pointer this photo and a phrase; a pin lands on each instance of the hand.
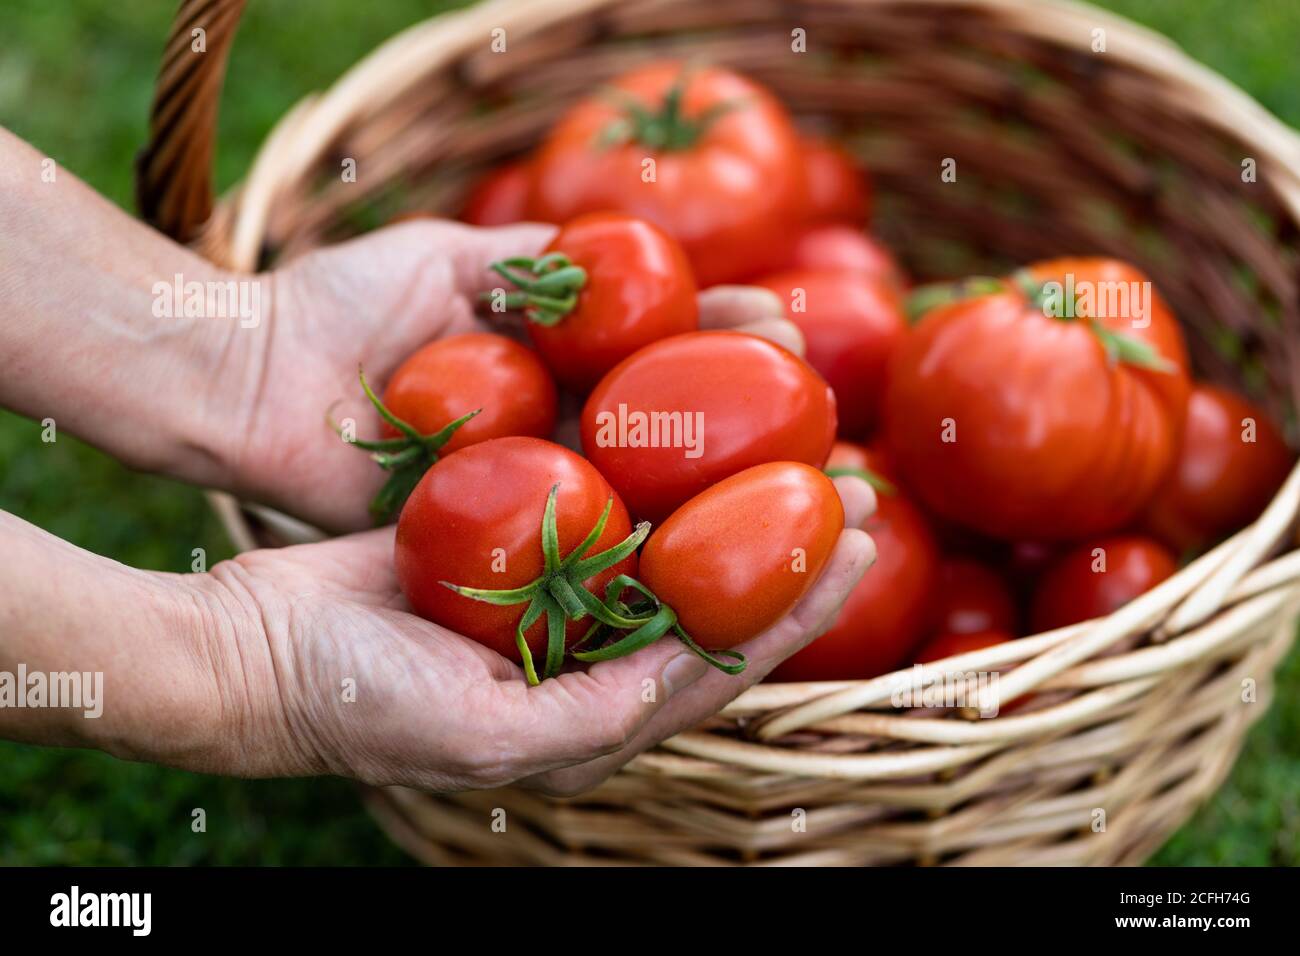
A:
(289, 628)
(374, 301)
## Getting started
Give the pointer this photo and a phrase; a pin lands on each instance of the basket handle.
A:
(173, 173)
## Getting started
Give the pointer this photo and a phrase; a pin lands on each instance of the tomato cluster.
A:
(1040, 450)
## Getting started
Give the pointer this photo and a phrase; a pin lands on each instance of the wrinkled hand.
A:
(292, 630)
(373, 302)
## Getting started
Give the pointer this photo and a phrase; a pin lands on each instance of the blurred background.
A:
(75, 81)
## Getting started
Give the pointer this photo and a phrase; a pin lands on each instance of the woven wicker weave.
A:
(1136, 152)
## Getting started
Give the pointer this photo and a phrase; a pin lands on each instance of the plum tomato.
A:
(1230, 464)
(499, 197)
(708, 156)
(737, 557)
(475, 521)
(452, 393)
(972, 597)
(851, 323)
(629, 284)
(688, 411)
(837, 190)
(952, 643)
(889, 612)
(1049, 410)
(1098, 577)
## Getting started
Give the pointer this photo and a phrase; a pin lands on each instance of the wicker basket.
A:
(1136, 152)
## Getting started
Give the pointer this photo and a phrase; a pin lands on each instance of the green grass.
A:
(76, 80)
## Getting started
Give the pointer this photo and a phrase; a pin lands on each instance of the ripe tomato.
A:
(950, 644)
(833, 246)
(449, 377)
(1097, 577)
(475, 520)
(635, 287)
(889, 611)
(737, 557)
(1229, 466)
(1023, 425)
(703, 153)
(499, 198)
(837, 190)
(972, 597)
(851, 323)
(686, 412)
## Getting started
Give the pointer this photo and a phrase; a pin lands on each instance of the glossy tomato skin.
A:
(950, 644)
(1019, 425)
(639, 289)
(972, 597)
(736, 558)
(756, 402)
(499, 198)
(837, 190)
(851, 325)
(889, 612)
(724, 197)
(1075, 588)
(449, 377)
(1220, 482)
(475, 519)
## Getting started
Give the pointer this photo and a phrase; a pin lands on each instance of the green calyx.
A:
(866, 474)
(548, 286)
(927, 297)
(406, 457)
(667, 128)
(1120, 348)
(559, 594)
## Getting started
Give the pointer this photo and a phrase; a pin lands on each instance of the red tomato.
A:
(498, 198)
(837, 189)
(972, 597)
(1023, 425)
(889, 612)
(834, 245)
(706, 155)
(1098, 577)
(963, 642)
(851, 323)
(736, 558)
(1231, 462)
(686, 412)
(475, 520)
(638, 289)
(449, 377)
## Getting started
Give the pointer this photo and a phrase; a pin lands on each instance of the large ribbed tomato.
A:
(1021, 423)
(688, 411)
(851, 323)
(631, 285)
(736, 558)
(707, 155)
(475, 520)
(890, 610)
(1230, 463)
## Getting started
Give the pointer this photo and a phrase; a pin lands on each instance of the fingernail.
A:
(681, 672)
